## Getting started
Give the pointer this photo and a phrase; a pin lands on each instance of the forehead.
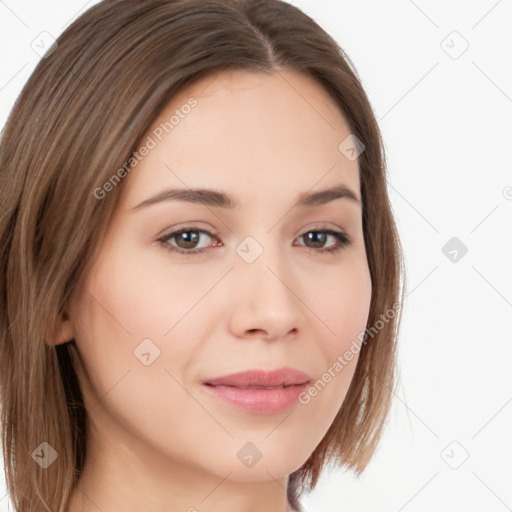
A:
(245, 131)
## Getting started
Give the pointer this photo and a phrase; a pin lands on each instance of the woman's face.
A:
(156, 319)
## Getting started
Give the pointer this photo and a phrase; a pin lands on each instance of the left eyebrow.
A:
(219, 199)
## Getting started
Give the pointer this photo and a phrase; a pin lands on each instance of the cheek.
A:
(130, 298)
(344, 303)
(131, 373)
(155, 296)
(132, 313)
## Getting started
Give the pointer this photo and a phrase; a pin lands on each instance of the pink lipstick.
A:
(260, 391)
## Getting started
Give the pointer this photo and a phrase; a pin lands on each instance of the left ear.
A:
(65, 331)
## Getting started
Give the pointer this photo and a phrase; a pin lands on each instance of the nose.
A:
(265, 304)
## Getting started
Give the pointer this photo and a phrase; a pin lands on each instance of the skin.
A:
(157, 440)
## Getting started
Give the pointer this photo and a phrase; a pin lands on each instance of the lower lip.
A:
(261, 401)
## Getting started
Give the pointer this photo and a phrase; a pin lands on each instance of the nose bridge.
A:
(263, 262)
(264, 299)
(268, 274)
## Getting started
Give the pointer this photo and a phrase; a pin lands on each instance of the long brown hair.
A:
(79, 118)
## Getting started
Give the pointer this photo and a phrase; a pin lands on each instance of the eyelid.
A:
(171, 234)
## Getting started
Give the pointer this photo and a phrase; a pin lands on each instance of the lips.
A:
(261, 379)
(259, 391)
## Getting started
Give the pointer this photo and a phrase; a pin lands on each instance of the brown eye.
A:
(316, 239)
(185, 240)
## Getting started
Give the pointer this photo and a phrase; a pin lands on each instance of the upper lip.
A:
(259, 377)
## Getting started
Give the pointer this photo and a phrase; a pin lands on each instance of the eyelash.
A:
(344, 240)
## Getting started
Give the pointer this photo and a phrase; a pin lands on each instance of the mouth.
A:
(258, 378)
(259, 391)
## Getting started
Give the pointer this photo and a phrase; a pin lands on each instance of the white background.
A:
(447, 125)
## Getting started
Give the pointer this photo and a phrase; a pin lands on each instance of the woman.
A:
(200, 268)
